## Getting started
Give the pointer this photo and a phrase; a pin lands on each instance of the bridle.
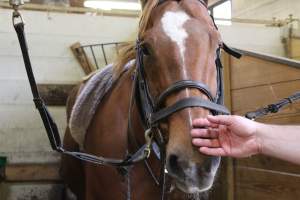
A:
(151, 112)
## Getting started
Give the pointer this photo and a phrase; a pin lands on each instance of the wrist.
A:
(259, 137)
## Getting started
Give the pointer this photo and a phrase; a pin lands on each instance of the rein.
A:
(150, 112)
(273, 108)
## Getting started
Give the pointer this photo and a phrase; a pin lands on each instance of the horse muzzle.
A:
(192, 177)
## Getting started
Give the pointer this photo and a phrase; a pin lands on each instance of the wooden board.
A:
(82, 58)
(55, 94)
(252, 184)
(250, 71)
(268, 163)
(251, 98)
(295, 47)
(32, 172)
(291, 119)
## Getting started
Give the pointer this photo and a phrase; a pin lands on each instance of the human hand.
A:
(226, 135)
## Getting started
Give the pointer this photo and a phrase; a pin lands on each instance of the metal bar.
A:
(104, 55)
(95, 60)
(105, 44)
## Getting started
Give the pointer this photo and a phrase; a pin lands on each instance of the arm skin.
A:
(239, 137)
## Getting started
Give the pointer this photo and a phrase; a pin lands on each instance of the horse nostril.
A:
(173, 164)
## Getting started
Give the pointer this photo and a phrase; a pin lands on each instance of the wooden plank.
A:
(55, 94)
(254, 183)
(54, 70)
(291, 119)
(268, 163)
(294, 47)
(270, 58)
(32, 172)
(82, 58)
(252, 98)
(229, 169)
(66, 9)
(220, 188)
(250, 71)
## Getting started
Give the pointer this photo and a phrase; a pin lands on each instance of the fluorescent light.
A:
(110, 5)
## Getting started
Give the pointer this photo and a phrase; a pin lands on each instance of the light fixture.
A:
(112, 5)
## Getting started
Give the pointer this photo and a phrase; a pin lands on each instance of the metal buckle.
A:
(148, 138)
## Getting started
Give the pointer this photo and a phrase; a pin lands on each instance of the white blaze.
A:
(172, 23)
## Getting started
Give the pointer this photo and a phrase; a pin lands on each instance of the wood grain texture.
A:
(55, 94)
(266, 184)
(32, 172)
(82, 58)
(294, 48)
(228, 177)
(250, 71)
(268, 163)
(252, 98)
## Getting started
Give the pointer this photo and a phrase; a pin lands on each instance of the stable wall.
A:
(254, 81)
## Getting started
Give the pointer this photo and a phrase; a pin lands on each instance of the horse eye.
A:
(145, 50)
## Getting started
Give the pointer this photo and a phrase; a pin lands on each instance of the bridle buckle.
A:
(148, 138)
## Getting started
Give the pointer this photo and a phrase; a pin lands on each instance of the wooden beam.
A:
(229, 167)
(253, 183)
(32, 172)
(82, 58)
(77, 10)
(55, 94)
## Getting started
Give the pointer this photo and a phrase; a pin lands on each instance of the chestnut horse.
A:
(179, 42)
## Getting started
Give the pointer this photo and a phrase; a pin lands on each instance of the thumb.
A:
(226, 120)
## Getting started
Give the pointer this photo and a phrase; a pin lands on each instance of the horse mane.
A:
(127, 51)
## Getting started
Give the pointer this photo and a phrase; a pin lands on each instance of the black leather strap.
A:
(273, 108)
(183, 85)
(185, 103)
(230, 51)
(51, 127)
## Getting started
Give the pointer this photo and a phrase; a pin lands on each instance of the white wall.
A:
(49, 35)
(256, 38)
(265, 9)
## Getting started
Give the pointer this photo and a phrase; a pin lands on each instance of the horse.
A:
(179, 43)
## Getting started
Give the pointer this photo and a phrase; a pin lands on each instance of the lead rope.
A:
(273, 108)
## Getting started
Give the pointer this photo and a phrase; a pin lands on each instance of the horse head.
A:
(180, 42)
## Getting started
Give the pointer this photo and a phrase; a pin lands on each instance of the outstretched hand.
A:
(226, 135)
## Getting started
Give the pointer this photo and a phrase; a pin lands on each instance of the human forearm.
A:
(282, 142)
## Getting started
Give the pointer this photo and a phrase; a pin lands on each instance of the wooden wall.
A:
(254, 81)
(294, 48)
